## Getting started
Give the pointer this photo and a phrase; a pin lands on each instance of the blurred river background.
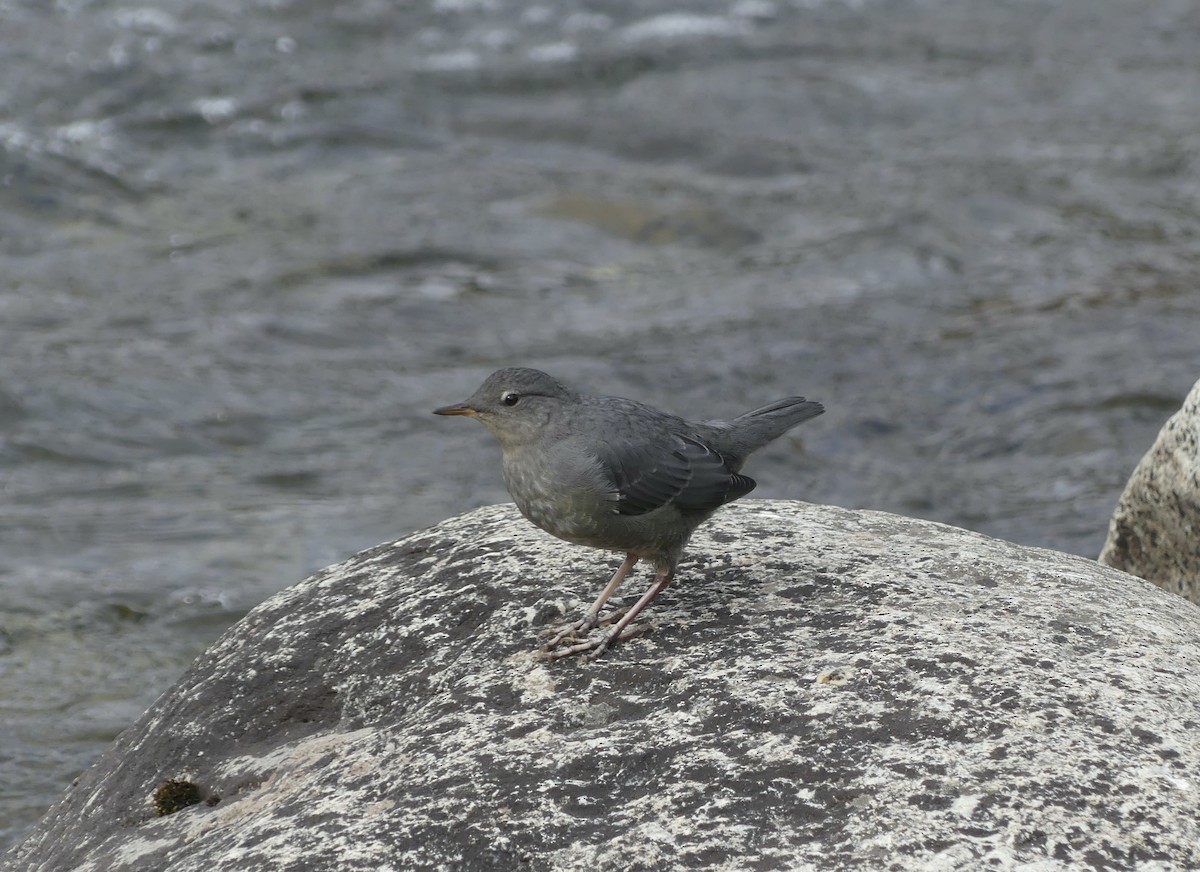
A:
(247, 246)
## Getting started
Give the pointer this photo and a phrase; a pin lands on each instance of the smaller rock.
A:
(1155, 531)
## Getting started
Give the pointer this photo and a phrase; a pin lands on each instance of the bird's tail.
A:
(751, 431)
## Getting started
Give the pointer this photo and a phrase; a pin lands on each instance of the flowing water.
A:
(247, 246)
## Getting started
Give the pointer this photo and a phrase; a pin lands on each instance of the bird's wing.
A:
(679, 469)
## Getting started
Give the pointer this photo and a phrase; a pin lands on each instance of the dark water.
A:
(248, 246)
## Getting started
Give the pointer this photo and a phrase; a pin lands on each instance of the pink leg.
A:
(592, 617)
(622, 630)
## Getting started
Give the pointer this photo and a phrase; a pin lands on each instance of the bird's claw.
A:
(594, 646)
(570, 632)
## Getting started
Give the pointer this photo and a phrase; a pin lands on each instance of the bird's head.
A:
(514, 403)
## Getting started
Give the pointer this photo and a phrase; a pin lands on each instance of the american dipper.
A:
(612, 473)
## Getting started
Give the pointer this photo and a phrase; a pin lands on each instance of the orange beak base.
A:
(459, 409)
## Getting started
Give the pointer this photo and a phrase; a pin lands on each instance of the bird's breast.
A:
(553, 498)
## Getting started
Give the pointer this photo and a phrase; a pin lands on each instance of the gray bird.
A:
(612, 473)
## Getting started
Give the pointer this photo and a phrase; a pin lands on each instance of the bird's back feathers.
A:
(654, 458)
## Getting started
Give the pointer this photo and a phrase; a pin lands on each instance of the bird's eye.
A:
(510, 398)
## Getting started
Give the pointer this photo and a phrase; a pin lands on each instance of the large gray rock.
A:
(1155, 531)
(823, 689)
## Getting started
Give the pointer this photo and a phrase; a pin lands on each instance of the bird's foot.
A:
(571, 632)
(597, 645)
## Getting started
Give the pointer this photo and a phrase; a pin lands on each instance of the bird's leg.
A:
(592, 618)
(622, 631)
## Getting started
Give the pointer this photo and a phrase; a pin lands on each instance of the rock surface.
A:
(1155, 531)
(823, 689)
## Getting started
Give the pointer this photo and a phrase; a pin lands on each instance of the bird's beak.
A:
(459, 409)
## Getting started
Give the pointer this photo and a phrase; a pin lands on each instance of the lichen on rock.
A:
(821, 689)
